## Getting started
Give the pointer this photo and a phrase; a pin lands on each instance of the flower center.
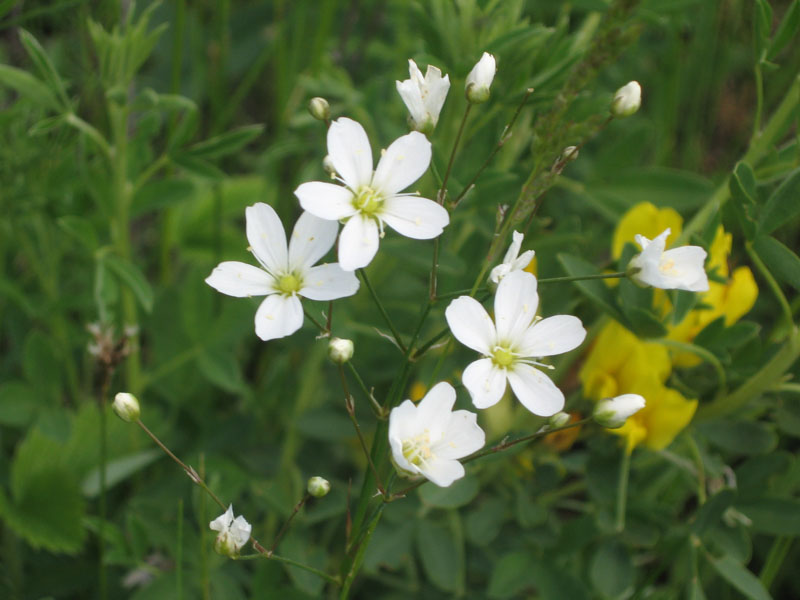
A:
(502, 357)
(289, 284)
(417, 450)
(368, 201)
(667, 267)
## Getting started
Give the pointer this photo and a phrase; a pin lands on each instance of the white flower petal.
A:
(326, 200)
(515, 305)
(470, 324)
(435, 408)
(513, 249)
(311, 239)
(350, 152)
(278, 316)
(266, 236)
(412, 97)
(462, 436)
(523, 260)
(405, 161)
(437, 88)
(240, 531)
(417, 218)
(222, 522)
(328, 282)
(535, 390)
(689, 261)
(403, 424)
(485, 382)
(442, 472)
(358, 242)
(241, 280)
(553, 335)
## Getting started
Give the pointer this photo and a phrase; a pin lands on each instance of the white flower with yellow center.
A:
(676, 269)
(513, 261)
(424, 96)
(428, 438)
(511, 344)
(286, 273)
(368, 199)
(233, 533)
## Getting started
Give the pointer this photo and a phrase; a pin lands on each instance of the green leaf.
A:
(460, 493)
(786, 30)
(512, 575)
(220, 367)
(118, 470)
(440, 555)
(696, 591)
(160, 194)
(46, 69)
(130, 275)
(782, 206)
(18, 404)
(197, 166)
(80, 229)
(740, 437)
(740, 578)
(28, 86)
(742, 186)
(762, 26)
(225, 144)
(611, 570)
(594, 289)
(775, 516)
(484, 523)
(711, 512)
(782, 262)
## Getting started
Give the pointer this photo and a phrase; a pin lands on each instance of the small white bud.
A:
(319, 109)
(318, 487)
(233, 533)
(570, 153)
(327, 164)
(613, 412)
(127, 407)
(558, 420)
(627, 100)
(340, 350)
(480, 79)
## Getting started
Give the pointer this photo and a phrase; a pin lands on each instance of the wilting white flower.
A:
(511, 344)
(676, 269)
(127, 407)
(480, 79)
(340, 350)
(613, 412)
(424, 96)
(233, 533)
(318, 486)
(428, 438)
(627, 100)
(285, 273)
(369, 200)
(512, 261)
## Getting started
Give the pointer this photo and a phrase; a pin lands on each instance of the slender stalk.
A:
(288, 522)
(179, 553)
(103, 579)
(759, 83)
(617, 275)
(348, 400)
(322, 574)
(701, 470)
(376, 407)
(622, 489)
(363, 274)
(771, 282)
(777, 554)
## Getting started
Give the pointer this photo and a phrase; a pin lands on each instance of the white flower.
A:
(676, 269)
(424, 96)
(512, 261)
(233, 533)
(370, 200)
(480, 79)
(340, 350)
(127, 407)
(285, 274)
(627, 100)
(613, 412)
(427, 439)
(511, 343)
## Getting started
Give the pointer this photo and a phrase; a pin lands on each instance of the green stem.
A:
(759, 83)
(382, 310)
(288, 522)
(332, 578)
(709, 357)
(771, 282)
(103, 461)
(622, 489)
(348, 399)
(617, 275)
(777, 554)
(701, 470)
(179, 553)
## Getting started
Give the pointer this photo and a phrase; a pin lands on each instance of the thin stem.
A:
(332, 578)
(103, 579)
(288, 522)
(500, 143)
(759, 81)
(722, 381)
(179, 553)
(773, 285)
(777, 554)
(701, 470)
(376, 407)
(622, 488)
(382, 310)
(348, 401)
(617, 275)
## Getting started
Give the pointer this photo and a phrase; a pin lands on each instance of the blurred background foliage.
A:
(133, 137)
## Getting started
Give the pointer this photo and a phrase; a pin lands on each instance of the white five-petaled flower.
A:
(676, 269)
(512, 261)
(511, 344)
(424, 96)
(233, 533)
(480, 79)
(285, 273)
(428, 438)
(368, 199)
(613, 412)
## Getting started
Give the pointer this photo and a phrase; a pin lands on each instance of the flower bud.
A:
(233, 533)
(318, 487)
(480, 79)
(570, 153)
(340, 350)
(627, 100)
(558, 420)
(327, 164)
(319, 109)
(127, 407)
(613, 412)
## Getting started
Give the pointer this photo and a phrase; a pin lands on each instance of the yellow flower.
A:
(647, 220)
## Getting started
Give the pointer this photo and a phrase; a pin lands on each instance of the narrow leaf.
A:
(782, 262)
(28, 86)
(46, 69)
(783, 204)
(740, 578)
(131, 276)
(225, 144)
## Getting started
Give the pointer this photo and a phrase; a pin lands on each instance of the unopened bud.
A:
(319, 109)
(327, 164)
(570, 153)
(613, 412)
(627, 100)
(127, 407)
(558, 420)
(318, 487)
(340, 350)
(480, 79)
